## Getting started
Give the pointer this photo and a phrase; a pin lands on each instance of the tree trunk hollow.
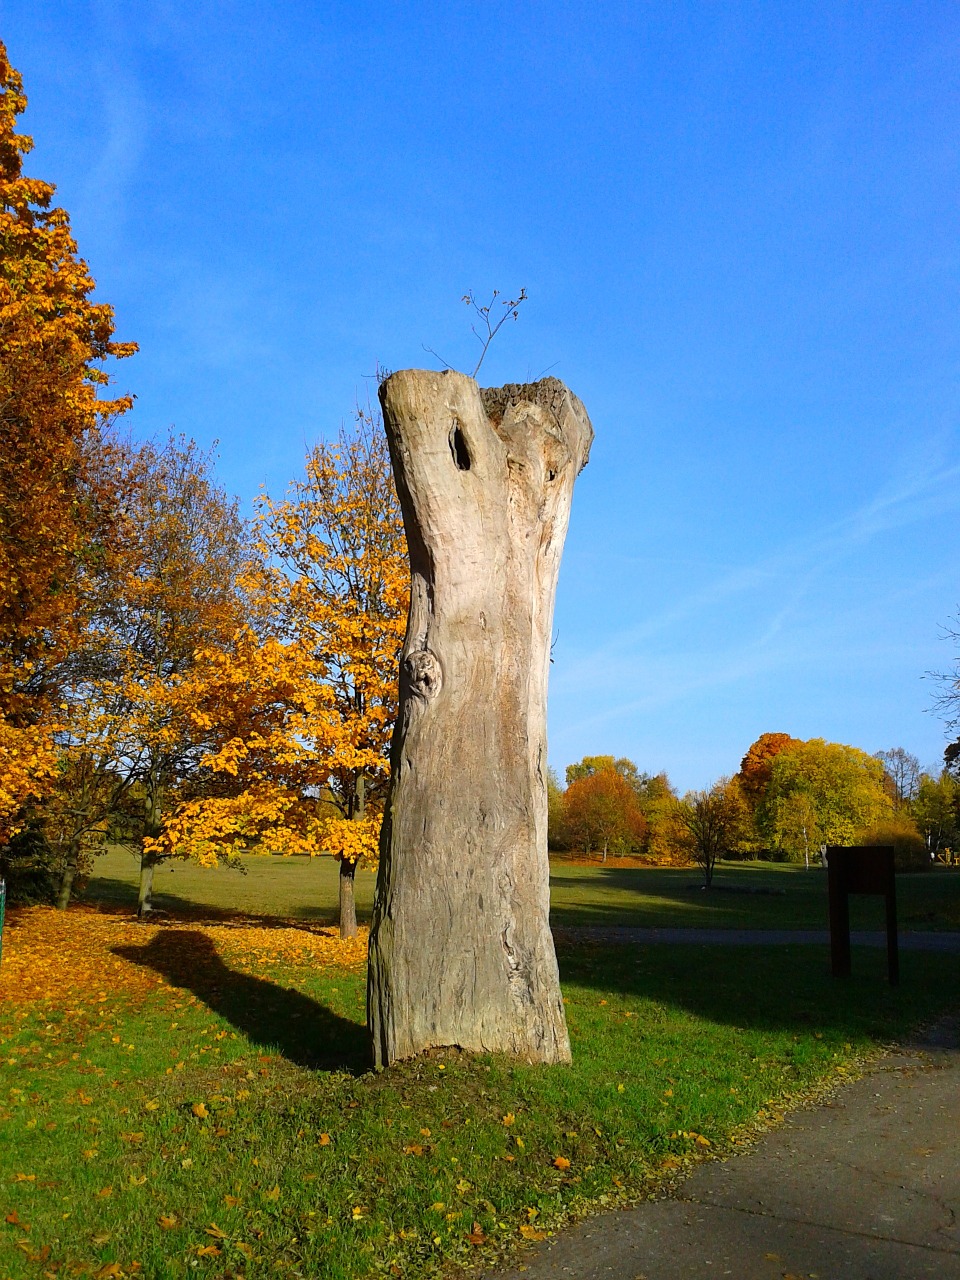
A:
(460, 949)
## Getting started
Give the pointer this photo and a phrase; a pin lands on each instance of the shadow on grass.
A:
(772, 988)
(270, 1016)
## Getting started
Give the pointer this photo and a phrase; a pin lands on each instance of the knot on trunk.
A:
(424, 673)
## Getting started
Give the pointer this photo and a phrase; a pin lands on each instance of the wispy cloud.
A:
(786, 612)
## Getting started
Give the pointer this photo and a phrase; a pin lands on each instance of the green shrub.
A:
(27, 864)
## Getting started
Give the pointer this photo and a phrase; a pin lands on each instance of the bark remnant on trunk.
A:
(461, 951)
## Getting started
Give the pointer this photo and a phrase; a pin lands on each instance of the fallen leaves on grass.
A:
(56, 957)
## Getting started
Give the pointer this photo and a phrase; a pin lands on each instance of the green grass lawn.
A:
(790, 897)
(295, 888)
(746, 895)
(229, 1126)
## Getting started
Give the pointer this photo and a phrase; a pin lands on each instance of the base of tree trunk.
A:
(461, 951)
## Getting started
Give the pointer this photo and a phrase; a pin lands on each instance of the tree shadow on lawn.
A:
(270, 1016)
(771, 988)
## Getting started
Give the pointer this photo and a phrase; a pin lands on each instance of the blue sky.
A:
(738, 228)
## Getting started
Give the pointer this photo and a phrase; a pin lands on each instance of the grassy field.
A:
(194, 1099)
(295, 888)
(748, 895)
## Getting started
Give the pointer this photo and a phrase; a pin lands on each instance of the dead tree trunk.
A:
(460, 949)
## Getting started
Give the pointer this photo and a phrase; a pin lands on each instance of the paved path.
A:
(916, 941)
(864, 1187)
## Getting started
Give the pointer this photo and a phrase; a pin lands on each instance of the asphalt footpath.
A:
(865, 1186)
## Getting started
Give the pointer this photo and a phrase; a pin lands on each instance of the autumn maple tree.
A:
(130, 746)
(711, 824)
(56, 495)
(310, 690)
(821, 793)
(601, 810)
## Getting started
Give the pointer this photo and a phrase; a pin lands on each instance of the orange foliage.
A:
(128, 736)
(306, 699)
(59, 959)
(757, 765)
(55, 488)
(601, 811)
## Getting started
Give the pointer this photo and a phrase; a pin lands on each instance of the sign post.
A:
(861, 869)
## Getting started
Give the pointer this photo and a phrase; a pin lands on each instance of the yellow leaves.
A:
(133, 1138)
(200, 1111)
(61, 958)
(105, 1193)
(273, 1193)
(152, 1104)
(359, 1211)
(324, 1140)
(413, 1149)
(108, 1271)
(508, 1119)
(691, 1135)
(531, 1233)
(438, 1206)
(463, 1186)
(24, 1177)
(561, 1162)
(168, 1221)
(207, 1251)
(231, 1201)
(215, 1231)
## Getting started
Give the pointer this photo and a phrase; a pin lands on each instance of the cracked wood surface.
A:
(460, 948)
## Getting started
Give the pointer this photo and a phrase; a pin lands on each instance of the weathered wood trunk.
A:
(460, 949)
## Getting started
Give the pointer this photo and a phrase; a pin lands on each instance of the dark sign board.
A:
(861, 869)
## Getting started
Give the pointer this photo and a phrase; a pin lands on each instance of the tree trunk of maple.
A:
(460, 949)
(69, 875)
(348, 905)
(148, 861)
